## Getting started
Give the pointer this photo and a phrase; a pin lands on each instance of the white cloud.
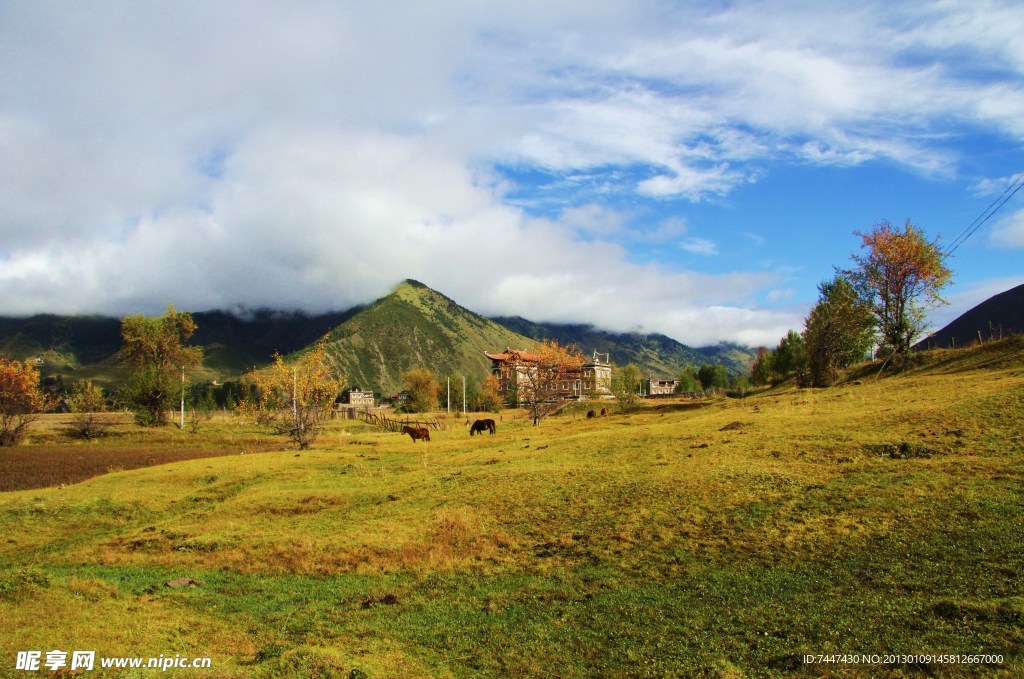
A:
(994, 187)
(1008, 232)
(699, 246)
(595, 220)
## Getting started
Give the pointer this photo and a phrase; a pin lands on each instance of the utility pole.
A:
(182, 426)
(448, 399)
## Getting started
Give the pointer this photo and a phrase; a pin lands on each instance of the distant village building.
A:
(357, 397)
(656, 387)
(596, 378)
(513, 367)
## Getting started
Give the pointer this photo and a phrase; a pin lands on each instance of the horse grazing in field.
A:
(591, 414)
(604, 412)
(416, 433)
(480, 425)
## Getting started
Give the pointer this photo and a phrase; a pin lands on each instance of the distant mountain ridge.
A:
(999, 315)
(655, 354)
(412, 327)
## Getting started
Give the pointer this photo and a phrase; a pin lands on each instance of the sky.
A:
(689, 168)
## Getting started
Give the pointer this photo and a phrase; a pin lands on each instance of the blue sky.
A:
(690, 168)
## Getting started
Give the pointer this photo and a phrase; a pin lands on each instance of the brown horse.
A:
(604, 412)
(591, 414)
(481, 425)
(416, 433)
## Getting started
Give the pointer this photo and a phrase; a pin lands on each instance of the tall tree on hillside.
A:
(899, 276)
(21, 399)
(761, 369)
(543, 377)
(294, 399)
(838, 332)
(155, 350)
(789, 357)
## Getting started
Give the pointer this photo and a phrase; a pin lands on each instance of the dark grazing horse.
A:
(416, 433)
(481, 425)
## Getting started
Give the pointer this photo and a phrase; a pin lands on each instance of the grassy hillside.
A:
(65, 342)
(723, 538)
(416, 327)
(654, 354)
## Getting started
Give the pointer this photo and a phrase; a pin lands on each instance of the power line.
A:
(1016, 184)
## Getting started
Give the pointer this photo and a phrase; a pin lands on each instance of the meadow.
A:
(724, 537)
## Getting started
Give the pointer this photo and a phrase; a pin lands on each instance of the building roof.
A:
(512, 355)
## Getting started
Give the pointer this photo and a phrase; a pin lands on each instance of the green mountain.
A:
(654, 354)
(416, 327)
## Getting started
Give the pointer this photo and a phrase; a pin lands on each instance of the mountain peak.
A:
(411, 284)
(418, 294)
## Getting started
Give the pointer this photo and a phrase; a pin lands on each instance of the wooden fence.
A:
(380, 419)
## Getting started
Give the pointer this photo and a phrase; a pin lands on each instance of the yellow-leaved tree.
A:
(155, 350)
(294, 398)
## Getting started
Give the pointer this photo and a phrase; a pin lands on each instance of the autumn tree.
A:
(542, 377)
(293, 399)
(626, 385)
(490, 394)
(87, 405)
(899, 276)
(838, 332)
(154, 348)
(423, 390)
(21, 399)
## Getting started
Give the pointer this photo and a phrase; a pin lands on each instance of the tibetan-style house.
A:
(513, 368)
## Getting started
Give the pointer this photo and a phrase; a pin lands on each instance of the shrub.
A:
(86, 401)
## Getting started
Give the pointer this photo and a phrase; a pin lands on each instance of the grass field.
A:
(719, 538)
